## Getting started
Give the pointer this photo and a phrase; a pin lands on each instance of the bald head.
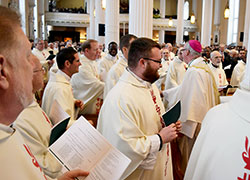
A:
(215, 58)
(233, 53)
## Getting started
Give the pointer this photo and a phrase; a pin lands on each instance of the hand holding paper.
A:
(168, 133)
(83, 147)
(71, 175)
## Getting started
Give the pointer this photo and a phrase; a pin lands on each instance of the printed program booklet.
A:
(83, 147)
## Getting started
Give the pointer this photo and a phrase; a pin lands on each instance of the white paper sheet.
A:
(188, 128)
(57, 113)
(83, 147)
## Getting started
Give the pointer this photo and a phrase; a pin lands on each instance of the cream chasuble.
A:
(129, 115)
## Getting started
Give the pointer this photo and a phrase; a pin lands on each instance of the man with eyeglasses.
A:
(198, 93)
(86, 84)
(40, 52)
(131, 116)
(16, 73)
(35, 127)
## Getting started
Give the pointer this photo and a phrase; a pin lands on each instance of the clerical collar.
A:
(63, 74)
(145, 83)
(214, 65)
(110, 57)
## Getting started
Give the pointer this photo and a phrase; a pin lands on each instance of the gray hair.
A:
(192, 52)
(213, 53)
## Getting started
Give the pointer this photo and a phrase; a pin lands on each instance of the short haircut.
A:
(64, 55)
(9, 21)
(111, 43)
(140, 48)
(124, 42)
(87, 44)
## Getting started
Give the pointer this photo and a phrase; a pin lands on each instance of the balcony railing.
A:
(82, 20)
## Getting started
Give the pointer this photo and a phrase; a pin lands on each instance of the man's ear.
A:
(124, 49)
(142, 63)
(4, 84)
(67, 64)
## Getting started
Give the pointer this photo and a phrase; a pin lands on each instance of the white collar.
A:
(63, 74)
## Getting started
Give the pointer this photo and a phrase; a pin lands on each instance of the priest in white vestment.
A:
(118, 68)
(35, 127)
(40, 52)
(198, 93)
(59, 87)
(170, 48)
(108, 61)
(165, 61)
(239, 70)
(176, 71)
(86, 84)
(16, 159)
(130, 118)
(222, 149)
(219, 73)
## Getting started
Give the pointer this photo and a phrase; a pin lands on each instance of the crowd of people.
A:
(123, 92)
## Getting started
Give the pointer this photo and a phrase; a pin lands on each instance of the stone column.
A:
(163, 13)
(206, 25)
(194, 7)
(24, 11)
(217, 12)
(180, 22)
(31, 19)
(141, 18)
(99, 21)
(90, 11)
(246, 25)
(41, 18)
(112, 29)
(46, 5)
(36, 20)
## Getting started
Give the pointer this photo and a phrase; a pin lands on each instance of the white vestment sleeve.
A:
(150, 160)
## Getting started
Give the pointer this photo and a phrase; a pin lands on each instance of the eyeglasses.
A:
(157, 61)
(43, 69)
(218, 57)
(183, 49)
